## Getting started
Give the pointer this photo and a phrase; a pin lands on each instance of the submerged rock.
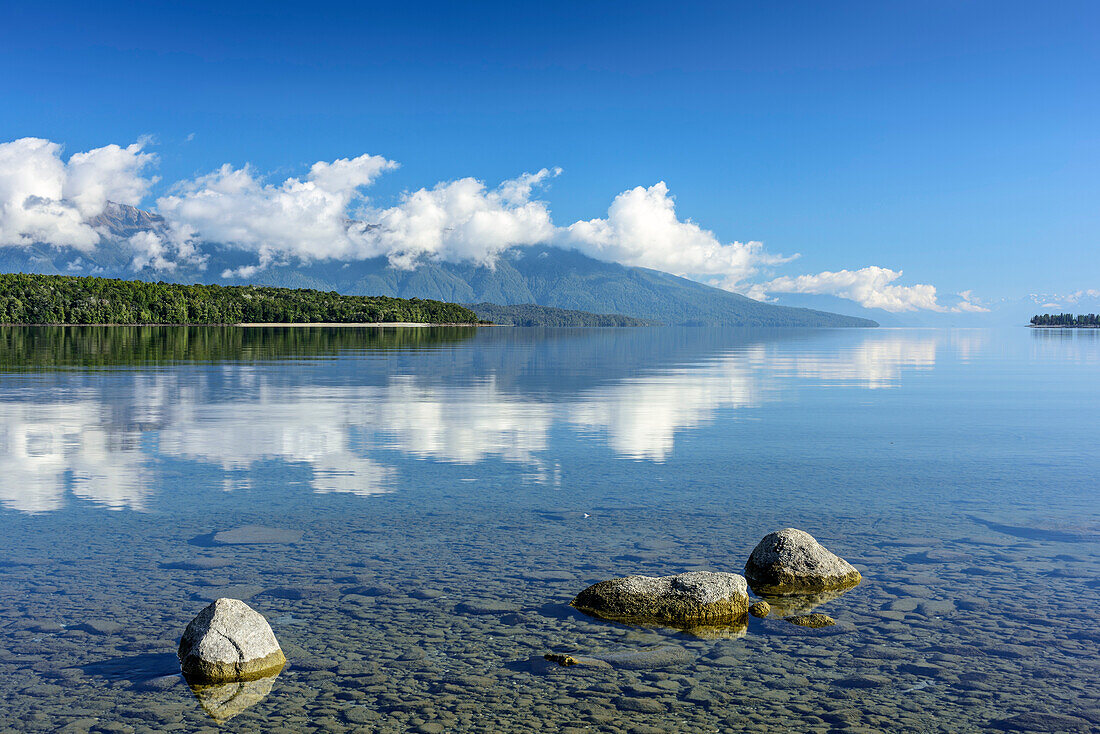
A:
(760, 609)
(229, 641)
(1064, 532)
(257, 535)
(198, 564)
(790, 561)
(569, 660)
(652, 658)
(1036, 721)
(815, 621)
(101, 627)
(687, 599)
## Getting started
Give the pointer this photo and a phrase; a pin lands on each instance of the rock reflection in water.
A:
(733, 630)
(786, 606)
(728, 631)
(224, 701)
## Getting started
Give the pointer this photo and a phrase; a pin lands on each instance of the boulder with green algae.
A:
(791, 561)
(760, 609)
(816, 621)
(687, 599)
(229, 641)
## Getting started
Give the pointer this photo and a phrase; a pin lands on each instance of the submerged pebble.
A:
(814, 621)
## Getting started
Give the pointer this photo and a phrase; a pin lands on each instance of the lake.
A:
(444, 493)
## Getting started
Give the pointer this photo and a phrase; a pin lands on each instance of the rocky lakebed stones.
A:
(789, 568)
(476, 675)
(230, 657)
(229, 641)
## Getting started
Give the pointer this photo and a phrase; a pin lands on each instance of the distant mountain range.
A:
(547, 276)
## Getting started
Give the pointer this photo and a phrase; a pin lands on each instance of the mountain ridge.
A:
(541, 275)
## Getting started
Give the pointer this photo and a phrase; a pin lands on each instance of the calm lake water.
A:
(455, 488)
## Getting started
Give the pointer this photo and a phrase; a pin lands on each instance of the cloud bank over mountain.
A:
(327, 215)
(46, 199)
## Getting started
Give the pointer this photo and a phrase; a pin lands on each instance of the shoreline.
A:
(1059, 326)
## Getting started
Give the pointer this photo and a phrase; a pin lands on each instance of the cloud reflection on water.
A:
(103, 440)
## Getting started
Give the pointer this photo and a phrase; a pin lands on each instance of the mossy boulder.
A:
(685, 600)
(229, 641)
(791, 561)
(815, 621)
(760, 609)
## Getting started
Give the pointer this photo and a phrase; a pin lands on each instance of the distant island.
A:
(530, 314)
(1066, 321)
(63, 299)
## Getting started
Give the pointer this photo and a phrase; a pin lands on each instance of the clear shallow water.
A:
(456, 488)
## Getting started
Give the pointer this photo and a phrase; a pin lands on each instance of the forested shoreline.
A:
(1067, 320)
(530, 314)
(64, 299)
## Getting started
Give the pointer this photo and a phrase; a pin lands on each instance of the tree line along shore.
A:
(1066, 320)
(63, 299)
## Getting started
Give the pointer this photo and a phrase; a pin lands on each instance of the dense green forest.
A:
(62, 299)
(529, 314)
(1066, 319)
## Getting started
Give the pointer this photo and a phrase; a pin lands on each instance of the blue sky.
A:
(956, 141)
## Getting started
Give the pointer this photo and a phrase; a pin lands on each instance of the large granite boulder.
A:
(790, 561)
(229, 641)
(685, 600)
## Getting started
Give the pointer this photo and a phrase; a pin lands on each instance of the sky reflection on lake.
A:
(100, 436)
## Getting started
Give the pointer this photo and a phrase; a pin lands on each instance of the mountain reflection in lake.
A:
(339, 402)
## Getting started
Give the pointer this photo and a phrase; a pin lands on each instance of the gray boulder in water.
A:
(229, 641)
(687, 599)
(790, 561)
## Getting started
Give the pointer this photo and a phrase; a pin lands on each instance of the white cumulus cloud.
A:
(460, 221)
(44, 198)
(969, 303)
(311, 218)
(306, 218)
(872, 287)
(642, 229)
